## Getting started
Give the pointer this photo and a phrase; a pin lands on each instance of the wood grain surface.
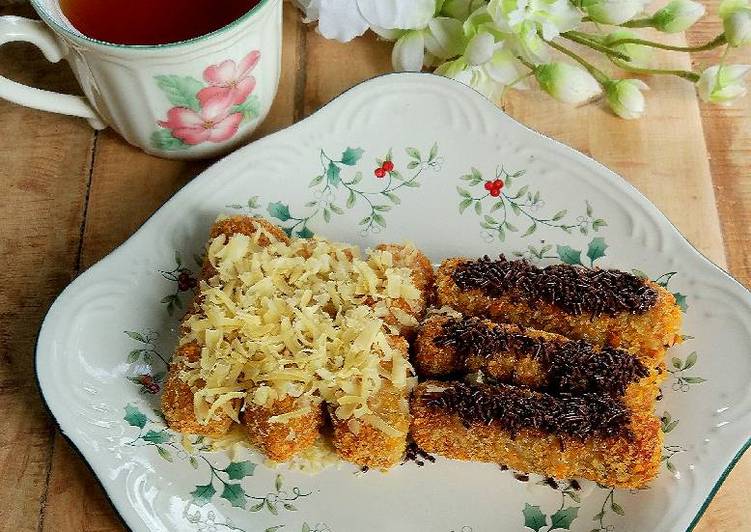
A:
(71, 195)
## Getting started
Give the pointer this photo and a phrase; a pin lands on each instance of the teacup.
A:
(186, 100)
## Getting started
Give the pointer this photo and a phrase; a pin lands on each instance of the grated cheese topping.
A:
(305, 320)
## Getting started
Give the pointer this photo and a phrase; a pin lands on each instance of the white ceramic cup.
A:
(186, 100)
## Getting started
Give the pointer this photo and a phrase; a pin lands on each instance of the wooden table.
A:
(70, 195)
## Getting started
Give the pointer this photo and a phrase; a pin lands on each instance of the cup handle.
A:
(23, 29)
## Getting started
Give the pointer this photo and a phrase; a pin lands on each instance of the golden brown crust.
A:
(433, 361)
(647, 334)
(177, 399)
(611, 461)
(370, 446)
(282, 441)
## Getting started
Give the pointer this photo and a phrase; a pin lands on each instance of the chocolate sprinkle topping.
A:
(570, 366)
(414, 454)
(573, 289)
(517, 408)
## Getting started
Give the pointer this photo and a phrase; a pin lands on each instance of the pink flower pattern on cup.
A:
(213, 123)
(211, 110)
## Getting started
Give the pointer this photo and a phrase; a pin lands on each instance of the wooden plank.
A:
(44, 169)
(127, 186)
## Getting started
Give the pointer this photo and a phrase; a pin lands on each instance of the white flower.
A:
(722, 84)
(678, 15)
(567, 83)
(625, 98)
(490, 78)
(639, 54)
(344, 20)
(736, 20)
(480, 48)
(612, 11)
(409, 52)
(444, 37)
(552, 16)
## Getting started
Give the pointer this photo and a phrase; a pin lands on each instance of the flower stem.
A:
(693, 77)
(714, 43)
(572, 36)
(598, 74)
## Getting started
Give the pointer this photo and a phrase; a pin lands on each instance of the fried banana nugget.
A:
(537, 359)
(630, 461)
(407, 256)
(369, 445)
(177, 399)
(280, 441)
(646, 333)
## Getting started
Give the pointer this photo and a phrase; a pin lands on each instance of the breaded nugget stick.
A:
(362, 443)
(604, 307)
(421, 273)
(593, 437)
(537, 359)
(278, 440)
(177, 399)
(281, 440)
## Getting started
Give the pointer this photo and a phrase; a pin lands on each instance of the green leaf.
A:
(253, 202)
(478, 208)
(240, 470)
(290, 507)
(531, 229)
(617, 508)
(164, 453)
(522, 191)
(356, 179)
(511, 227)
(396, 175)
(676, 362)
(305, 233)
(694, 380)
(497, 205)
(336, 209)
(589, 208)
(350, 200)
(234, 494)
(193, 462)
(476, 173)
(272, 507)
(250, 108)
(433, 152)
(203, 494)
(136, 336)
(463, 192)
(533, 517)
(257, 507)
(393, 197)
(681, 301)
(134, 417)
(234, 206)
(414, 153)
(377, 218)
(333, 174)
(597, 224)
(596, 249)
(382, 208)
(515, 208)
(690, 360)
(181, 90)
(274, 528)
(278, 482)
(133, 355)
(306, 527)
(326, 215)
(364, 221)
(563, 518)
(559, 215)
(411, 184)
(466, 202)
(569, 255)
(671, 467)
(315, 181)
(501, 234)
(279, 210)
(411, 165)
(351, 156)
(640, 274)
(161, 436)
(490, 219)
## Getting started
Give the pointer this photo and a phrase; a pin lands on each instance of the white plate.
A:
(445, 141)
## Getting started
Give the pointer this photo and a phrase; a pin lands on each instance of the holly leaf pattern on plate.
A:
(240, 470)
(203, 494)
(563, 518)
(134, 417)
(533, 517)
